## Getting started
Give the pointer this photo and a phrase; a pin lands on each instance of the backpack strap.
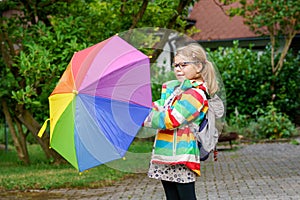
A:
(206, 94)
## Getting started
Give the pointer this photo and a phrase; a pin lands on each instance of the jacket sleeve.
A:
(185, 108)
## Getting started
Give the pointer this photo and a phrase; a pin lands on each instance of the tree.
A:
(274, 18)
(40, 39)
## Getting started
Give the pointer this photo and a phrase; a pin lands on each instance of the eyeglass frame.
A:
(175, 65)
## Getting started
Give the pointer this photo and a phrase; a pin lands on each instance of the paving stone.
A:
(252, 172)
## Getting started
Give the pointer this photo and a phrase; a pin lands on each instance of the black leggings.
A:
(179, 191)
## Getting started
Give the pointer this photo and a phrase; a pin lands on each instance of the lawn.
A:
(42, 175)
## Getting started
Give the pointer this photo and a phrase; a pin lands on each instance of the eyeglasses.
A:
(182, 65)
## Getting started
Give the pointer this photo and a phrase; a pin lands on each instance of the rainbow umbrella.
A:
(100, 103)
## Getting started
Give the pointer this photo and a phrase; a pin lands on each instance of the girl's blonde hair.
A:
(194, 52)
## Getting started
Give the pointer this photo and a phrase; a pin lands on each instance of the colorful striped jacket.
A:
(180, 105)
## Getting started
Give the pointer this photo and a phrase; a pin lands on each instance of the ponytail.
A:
(209, 76)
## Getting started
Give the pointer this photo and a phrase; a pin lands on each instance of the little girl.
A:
(175, 157)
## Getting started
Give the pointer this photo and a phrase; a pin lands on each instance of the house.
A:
(218, 29)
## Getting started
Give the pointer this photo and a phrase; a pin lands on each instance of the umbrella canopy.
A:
(100, 103)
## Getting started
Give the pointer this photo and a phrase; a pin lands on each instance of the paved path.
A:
(260, 172)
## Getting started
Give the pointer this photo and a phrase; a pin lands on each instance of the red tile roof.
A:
(215, 25)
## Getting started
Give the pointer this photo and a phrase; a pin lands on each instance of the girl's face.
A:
(185, 69)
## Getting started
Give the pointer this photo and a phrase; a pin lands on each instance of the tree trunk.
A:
(22, 139)
(284, 52)
(139, 15)
(21, 154)
(182, 4)
(33, 126)
(276, 69)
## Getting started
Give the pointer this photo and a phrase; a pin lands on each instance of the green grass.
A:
(294, 142)
(41, 175)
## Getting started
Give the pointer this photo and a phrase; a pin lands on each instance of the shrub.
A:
(273, 124)
(268, 123)
(247, 77)
(244, 76)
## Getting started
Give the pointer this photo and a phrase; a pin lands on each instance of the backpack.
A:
(208, 134)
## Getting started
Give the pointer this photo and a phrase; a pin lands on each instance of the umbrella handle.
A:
(43, 128)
